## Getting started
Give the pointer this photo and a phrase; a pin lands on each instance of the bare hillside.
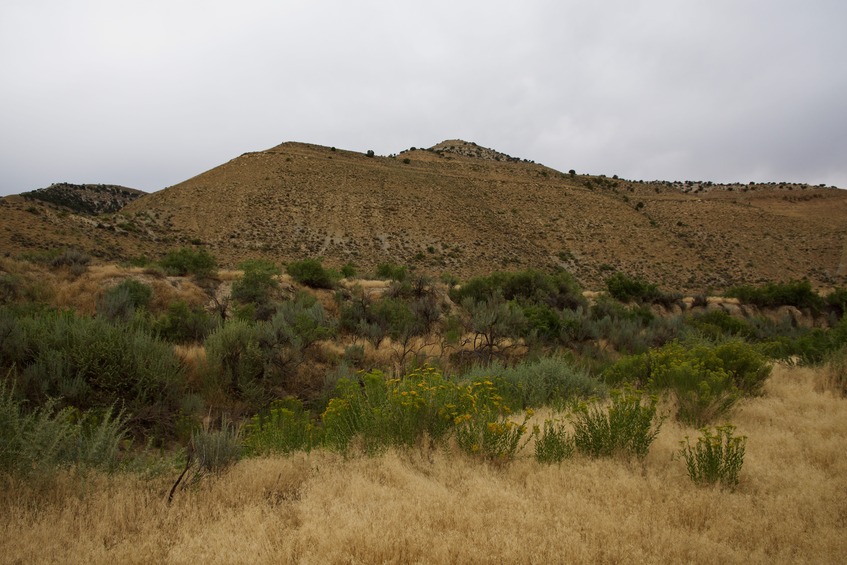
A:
(464, 209)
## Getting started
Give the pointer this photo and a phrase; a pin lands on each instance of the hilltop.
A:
(466, 210)
(92, 199)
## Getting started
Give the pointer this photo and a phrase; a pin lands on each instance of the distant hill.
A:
(90, 199)
(464, 209)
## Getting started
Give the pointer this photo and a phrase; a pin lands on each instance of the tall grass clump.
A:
(553, 443)
(834, 376)
(215, 450)
(627, 427)
(716, 458)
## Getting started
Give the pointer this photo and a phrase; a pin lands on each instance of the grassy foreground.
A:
(421, 506)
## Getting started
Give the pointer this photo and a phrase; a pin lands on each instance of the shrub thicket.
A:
(548, 381)
(311, 273)
(44, 438)
(92, 364)
(256, 286)
(120, 303)
(629, 289)
(795, 293)
(706, 379)
(186, 261)
(390, 271)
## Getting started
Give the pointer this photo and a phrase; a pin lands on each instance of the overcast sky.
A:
(149, 93)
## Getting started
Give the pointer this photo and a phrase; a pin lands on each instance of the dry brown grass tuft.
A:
(423, 506)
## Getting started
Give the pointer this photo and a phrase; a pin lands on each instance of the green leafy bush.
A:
(557, 291)
(235, 357)
(628, 427)
(186, 261)
(548, 381)
(120, 303)
(257, 284)
(717, 324)
(90, 363)
(628, 289)
(484, 427)
(390, 271)
(184, 324)
(716, 458)
(311, 273)
(284, 427)
(795, 293)
(383, 412)
(706, 379)
(493, 322)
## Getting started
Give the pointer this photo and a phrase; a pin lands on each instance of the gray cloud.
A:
(147, 94)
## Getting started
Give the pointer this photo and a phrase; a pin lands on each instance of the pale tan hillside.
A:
(466, 210)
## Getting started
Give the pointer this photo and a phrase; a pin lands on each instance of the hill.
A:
(92, 199)
(467, 210)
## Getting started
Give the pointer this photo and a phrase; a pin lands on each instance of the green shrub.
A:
(706, 379)
(627, 428)
(186, 261)
(89, 363)
(390, 271)
(72, 258)
(837, 301)
(795, 293)
(717, 457)
(311, 273)
(257, 283)
(283, 341)
(493, 322)
(628, 289)
(10, 288)
(528, 288)
(348, 270)
(184, 324)
(553, 443)
(717, 324)
(119, 303)
(282, 428)
(383, 412)
(235, 357)
(548, 381)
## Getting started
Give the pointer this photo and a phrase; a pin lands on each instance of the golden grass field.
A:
(438, 506)
(423, 506)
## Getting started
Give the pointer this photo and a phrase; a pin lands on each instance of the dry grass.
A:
(439, 507)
